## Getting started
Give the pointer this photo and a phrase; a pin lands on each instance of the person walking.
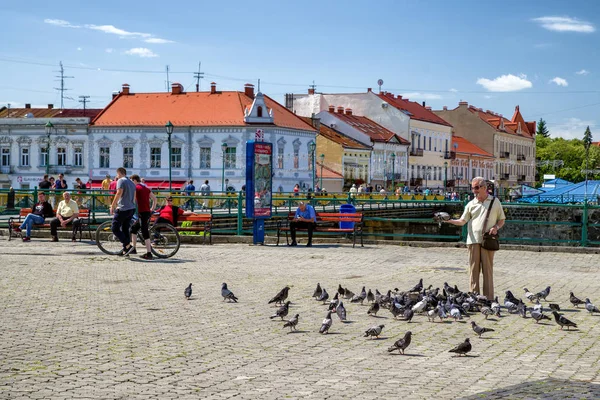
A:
(205, 191)
(475, 213)
(123, 208)
(190, 190)
(146, 202)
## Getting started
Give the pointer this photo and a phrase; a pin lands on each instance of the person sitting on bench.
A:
(41, 211)
(67, 213)
(305, 218)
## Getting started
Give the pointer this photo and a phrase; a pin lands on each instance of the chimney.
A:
(316, 122)
(27, 105)
(348, 111)
(331, 109)
(213, 88)
(249, 90)
(463, 104)
(311, 91)
(445, 108)
(428, 108)
(369, 90)
(125, 88)
(399, 97)
(340, 110)
(114, 94)
(50, 106)
(423, 104)
(176, 88)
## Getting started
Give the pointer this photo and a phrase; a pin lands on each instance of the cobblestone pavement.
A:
(79, 324)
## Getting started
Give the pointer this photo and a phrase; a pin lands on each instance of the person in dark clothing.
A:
(123, 208)
(45, 183)
(40, 212)
(146, 201)
(305, 218)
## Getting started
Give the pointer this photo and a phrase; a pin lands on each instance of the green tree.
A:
(542, 129)
(587, 142)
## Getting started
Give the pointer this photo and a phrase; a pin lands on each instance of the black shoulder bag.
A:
(490, 242)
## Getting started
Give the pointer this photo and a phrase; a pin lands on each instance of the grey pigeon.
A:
(543, 294)
(188, 292)
(401, 344)
(575, 301)
(370, 296)
(408, 314)
(441, 216)
(334, 303)
(291, 323)
(341, 311)
(374, 309)
(418, 287)
(455, 313)
(374, 331)
(530, 296)
(348, 294)
(318, 291)
(463, 348)
(442, 313)
(359, 298)
(562, 321)
(496, 307)
(487, 312)
(326, 324)
(554, 306)
(227, 294)
(282, 311)
(480, 330)
(590, 307)
(324, 296)
(281, 296)
(538, 316)
(396, 309)
(522, 310)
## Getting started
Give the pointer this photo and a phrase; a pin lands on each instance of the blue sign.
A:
(259, 181)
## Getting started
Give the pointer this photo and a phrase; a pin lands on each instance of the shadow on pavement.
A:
(543, 389)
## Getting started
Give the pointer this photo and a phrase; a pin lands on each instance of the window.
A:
(104, 157)
(5, 156)
(230, 160)
(296, 158)
(176, 157)
(61, 156)
(127, 157)
(280, 150)
(44, 156)
(204, 157)
(259, 112)
(25, 157)
(78, 156)
(155, 157)
(429, 143)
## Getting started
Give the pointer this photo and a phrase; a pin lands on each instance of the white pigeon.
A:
(455, 313)
(529, 295)
(432, 314)
(420, 306)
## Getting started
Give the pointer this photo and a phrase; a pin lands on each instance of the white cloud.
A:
(565, 24)
(571, 128)
(79, 49)
(109, 50)
(158, 41)
(559, 81)
(60, 22)
(117, 31)
(110, 29)
(421, 96)
(453, 90)
(582, 72)
(505, 83)
(142, 52)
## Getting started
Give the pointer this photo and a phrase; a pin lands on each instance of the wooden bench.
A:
(14, 222)
(328, 223)
(200, 223)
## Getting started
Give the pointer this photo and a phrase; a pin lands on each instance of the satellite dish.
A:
(380, 82)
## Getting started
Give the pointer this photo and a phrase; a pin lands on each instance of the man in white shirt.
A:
(67, 213)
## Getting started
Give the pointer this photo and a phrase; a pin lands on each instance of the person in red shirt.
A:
(169, 213)
(146, 202)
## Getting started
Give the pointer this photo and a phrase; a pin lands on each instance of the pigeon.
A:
(348, 294)
(227, 294)
(449, 289)
(432, 314)
(463, 348)
(442, 313)
(282, 311)
(496, 307)
(538, 306)
(341, 311)
(575, 301)
(420, 306)
(538, 316)
(281, 296)
(396, 309)
(318, 291)
(291, 323)
(401, 344)
(441, 216)
(341, 290)
(418, 287)
(487, 312)
(326, 324)
(370, 297)
(530, 296)
(408, 314)
(562, 321)
(374, 331)
(543, 294)
(374, 309)
(334, 303)
(188, 292)
(324, 296)
(522, 310)
(590, 307)
(359, 298)
(455, 313)
(554, 307)
(480, 330)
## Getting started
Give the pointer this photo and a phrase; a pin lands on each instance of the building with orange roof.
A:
(512, 142)
(210, 131)
(29, 149)
(470, 161)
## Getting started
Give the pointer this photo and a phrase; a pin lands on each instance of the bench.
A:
(200, 223)
(327, 222)
(14, 222)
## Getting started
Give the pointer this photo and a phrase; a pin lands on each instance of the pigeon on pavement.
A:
(590, 307)
(341, 311)
(522, 310)
(401, 344)
(408, 315)
(370, 297)
(291, 323)
(359, 298)
(418, 287)
(463, 348)
(227, 294)
(530, 296)
(326, 324)
(496, 307)
(324, 296)
(538, 316)
(575, 301)
(374, 331)
(543, 294)
(341, 290)
(374, 309)
(281, 296)
(348, 294)
(282, 311)
(318, 291)
(480, 330)
(188, 292)
(562, 321)
(554, 306)
(487, 312)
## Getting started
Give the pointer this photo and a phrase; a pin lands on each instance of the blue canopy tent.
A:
(573, 193)
(554, 184)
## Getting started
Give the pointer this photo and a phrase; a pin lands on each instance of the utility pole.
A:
(62, 88)
(198, 75)
(84, 100)
(313, 87)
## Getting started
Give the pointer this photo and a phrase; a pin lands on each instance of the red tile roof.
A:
(376, 132)
(190, 109)
(338, 137)
(327, 172)
(510, 126)
(48, 112)
(466, 147)
(415, 110)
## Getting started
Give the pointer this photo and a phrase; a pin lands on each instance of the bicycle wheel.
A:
(165, 240)
(106, 240)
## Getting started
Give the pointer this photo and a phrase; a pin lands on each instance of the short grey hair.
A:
(478, 180)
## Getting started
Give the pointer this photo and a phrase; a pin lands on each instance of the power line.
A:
(84, 100)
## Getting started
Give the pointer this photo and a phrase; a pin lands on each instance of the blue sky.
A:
(541, 55)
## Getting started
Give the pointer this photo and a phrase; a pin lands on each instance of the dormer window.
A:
(259, 112)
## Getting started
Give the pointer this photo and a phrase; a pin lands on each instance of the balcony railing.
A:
(504, 154)
(521, 157)
(416, 152)
(450, 155)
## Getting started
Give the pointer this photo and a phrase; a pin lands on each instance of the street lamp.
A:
(224, 148)
(49, 127)
(313, 147)
(427, 175)
(322, 157)
(385, 174)
(393, 155)
(169, 127)
(445, 175)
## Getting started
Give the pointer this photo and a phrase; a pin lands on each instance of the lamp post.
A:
(313, 147)
(385, 174)
(224, 148)
(393, 155)
(445, 175)
(322, 157)
(169, 127)
(427, 175)
(49, 127)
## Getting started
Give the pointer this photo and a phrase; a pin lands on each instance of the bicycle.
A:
(164, 239)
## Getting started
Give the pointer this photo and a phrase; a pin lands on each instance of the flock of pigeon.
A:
(449, 303)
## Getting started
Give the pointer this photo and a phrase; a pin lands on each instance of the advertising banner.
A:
(259, 188)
